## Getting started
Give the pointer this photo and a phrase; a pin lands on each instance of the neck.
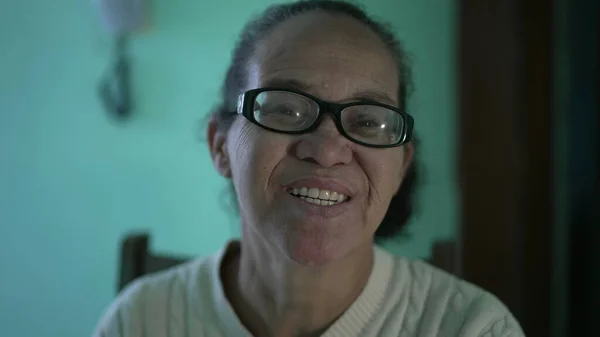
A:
(275, 296)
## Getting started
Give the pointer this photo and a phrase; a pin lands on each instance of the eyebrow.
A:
(363, 95)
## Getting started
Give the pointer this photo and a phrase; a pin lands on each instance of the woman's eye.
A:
(367, 127)
(367, 123)
(279, 110)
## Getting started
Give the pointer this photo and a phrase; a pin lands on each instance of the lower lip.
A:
(317, 210)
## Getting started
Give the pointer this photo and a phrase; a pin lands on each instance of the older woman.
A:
(313, 135)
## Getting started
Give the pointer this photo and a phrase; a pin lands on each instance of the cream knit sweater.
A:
(402, 298)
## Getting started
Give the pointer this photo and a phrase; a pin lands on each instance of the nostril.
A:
(310, 160)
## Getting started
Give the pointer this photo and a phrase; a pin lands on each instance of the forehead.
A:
(334, 57)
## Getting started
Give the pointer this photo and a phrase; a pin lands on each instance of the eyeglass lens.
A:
(293, 112)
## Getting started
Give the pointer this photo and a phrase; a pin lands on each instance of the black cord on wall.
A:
(115, 87)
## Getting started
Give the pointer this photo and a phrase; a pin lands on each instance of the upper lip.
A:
(321, 183)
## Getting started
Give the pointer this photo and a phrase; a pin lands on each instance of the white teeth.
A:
(324, 195)
(318, 201)
(317, 196)
(333, 196)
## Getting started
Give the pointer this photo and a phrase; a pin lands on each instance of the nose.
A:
(325, 146)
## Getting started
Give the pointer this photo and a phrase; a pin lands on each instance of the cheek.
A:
(254, 154)
(385, 172)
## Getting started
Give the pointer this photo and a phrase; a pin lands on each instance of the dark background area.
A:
(529, 75)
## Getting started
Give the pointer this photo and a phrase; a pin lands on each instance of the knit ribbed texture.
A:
(402, 298)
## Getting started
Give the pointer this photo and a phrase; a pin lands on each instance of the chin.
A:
(314, 250)
(317, 240)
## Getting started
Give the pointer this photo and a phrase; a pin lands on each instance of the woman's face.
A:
(336, 59)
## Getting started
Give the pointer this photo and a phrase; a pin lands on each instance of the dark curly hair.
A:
(402, 204)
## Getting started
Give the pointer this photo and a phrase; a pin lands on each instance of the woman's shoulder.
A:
(166, 285)
(145, 304)
(435, 297)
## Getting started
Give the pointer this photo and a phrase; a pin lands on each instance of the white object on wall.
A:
(121, 17)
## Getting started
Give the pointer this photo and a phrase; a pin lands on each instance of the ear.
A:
(409, 155)
(217, 147)
(407, 161)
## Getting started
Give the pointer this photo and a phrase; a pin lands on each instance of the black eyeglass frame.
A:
(245, 107)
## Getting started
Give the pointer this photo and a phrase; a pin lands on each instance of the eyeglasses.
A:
(289, 111)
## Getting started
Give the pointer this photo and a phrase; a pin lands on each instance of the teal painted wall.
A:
(72, 182)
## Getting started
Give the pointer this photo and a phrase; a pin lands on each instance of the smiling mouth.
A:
(318, 196)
